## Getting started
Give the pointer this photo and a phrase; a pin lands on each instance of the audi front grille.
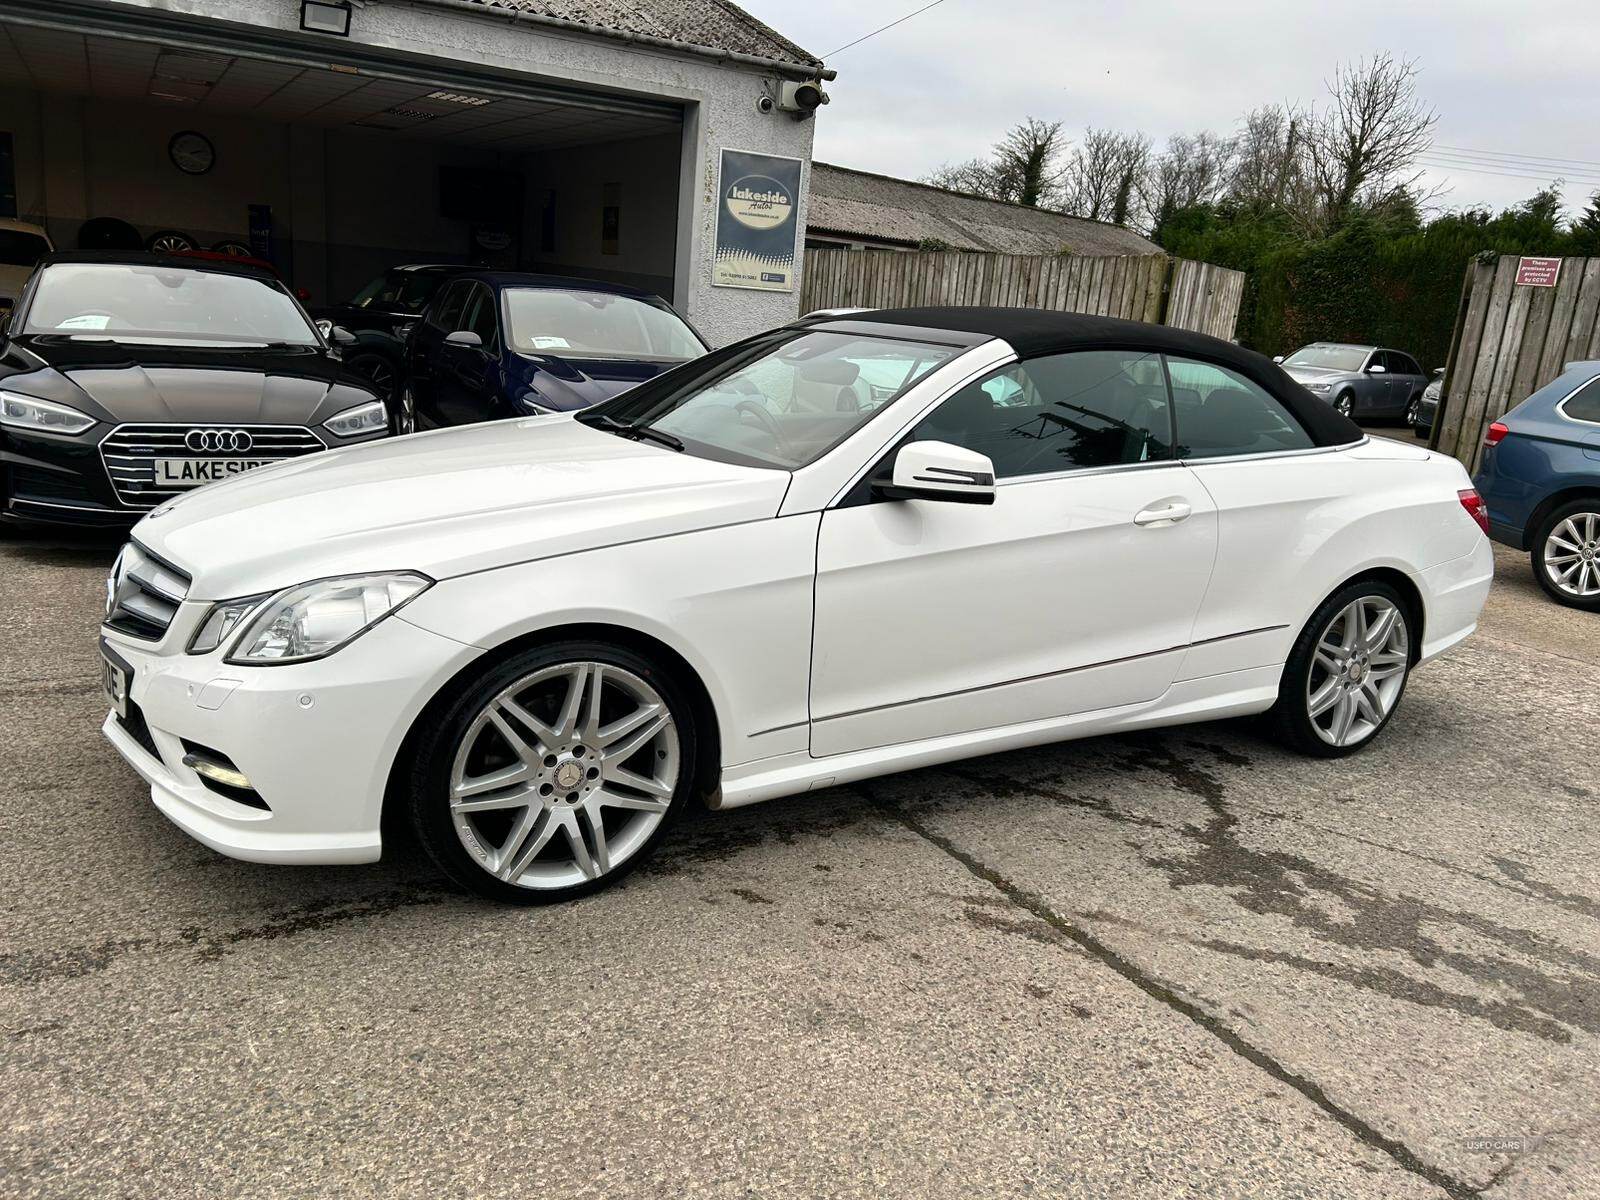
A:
(130, 452)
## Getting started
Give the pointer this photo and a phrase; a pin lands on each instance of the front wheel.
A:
(1345, 405)
(1566, 554)
(1346, 672)
(555, 774)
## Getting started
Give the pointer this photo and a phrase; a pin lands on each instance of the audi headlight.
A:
(1319, 388)
(41, 416)
(315, 619)
(364, 418)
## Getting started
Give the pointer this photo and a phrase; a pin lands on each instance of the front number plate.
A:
(114, 679)
(192, 472)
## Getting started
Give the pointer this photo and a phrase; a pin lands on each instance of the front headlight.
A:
(41, 416)
(315, 619)
(1319, 388)
(364, 418)
(222, 620)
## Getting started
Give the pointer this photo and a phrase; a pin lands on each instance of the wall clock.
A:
(191, 152)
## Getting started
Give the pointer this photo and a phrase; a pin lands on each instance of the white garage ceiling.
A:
(114, 68)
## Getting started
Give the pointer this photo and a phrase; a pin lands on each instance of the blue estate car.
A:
(1540, 478)
(495, 344)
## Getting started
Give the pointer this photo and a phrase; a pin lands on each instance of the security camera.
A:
(801, 99)
(765, 103)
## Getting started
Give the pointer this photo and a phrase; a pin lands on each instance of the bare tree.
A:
(1104, 174)
(1363, 150)
(1022, 168)
(1268, 159)
(1192, 169)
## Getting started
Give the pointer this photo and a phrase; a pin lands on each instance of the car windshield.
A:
(19, 248)
(136, 302)
(780, 401)
(1329, 358)
(399, 291)
(576, 324)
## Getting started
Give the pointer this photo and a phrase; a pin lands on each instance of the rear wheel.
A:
(1346, 672)
(555, 774)
(1566, 554)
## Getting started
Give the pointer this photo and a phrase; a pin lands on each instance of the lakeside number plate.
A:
(192, 472)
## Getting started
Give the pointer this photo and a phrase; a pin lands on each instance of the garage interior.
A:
(335, 170)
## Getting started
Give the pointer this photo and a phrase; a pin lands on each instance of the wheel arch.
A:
(708, 747)
(1410, 593)
(1548, 505)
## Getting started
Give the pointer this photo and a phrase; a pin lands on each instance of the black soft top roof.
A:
(1035, 331)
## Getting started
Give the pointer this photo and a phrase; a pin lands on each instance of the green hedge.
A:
(1369, 282)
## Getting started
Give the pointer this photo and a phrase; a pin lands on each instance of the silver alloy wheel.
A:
(564, 775)
(1359, 670)
(408, 411)
(1572, 555)
(1413, 412)
(171, 243)
(1344, 405)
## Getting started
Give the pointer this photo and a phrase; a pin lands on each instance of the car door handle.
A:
(1163, 514)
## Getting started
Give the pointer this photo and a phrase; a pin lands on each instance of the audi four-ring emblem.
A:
(218, 441)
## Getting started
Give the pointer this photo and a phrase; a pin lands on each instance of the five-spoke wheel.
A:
(558, 771)
(1346, 671)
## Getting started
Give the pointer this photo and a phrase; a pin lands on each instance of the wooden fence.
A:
(1510, 340)
(1148, 287)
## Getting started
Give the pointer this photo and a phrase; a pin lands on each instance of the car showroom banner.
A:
(758, 223)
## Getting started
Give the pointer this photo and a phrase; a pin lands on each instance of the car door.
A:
(426, 350)
(1372, 389)
(1075, 590)
(1406, 382)
(1259, 467)
(466, 375)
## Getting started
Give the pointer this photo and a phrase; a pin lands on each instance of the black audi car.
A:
(381, 315)
(126, 379)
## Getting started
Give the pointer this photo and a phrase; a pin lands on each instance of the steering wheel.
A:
(768, 422)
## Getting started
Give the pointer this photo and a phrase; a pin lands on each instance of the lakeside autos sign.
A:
(757, 221)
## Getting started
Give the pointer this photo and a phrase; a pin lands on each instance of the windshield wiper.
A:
(639, 433)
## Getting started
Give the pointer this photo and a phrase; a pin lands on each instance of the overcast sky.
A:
(1507, 78)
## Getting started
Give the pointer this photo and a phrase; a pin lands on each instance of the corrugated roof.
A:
(707, 24)
(879, 207)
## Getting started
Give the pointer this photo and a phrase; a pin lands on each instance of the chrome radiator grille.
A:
(143, 594)
(130, 452)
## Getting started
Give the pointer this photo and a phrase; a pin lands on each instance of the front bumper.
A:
(316, 739)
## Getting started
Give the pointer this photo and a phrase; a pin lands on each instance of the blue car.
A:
(1540, 479)
(494, 344)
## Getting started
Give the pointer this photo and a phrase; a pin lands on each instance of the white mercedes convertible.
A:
(849, 546)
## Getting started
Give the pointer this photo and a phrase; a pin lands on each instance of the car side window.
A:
(1403, 364)
(448, 315)
(481, 318)
(1062, 412)
(1584, 404)
(1221, 413)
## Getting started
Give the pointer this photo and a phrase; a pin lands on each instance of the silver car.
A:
(1359, 381)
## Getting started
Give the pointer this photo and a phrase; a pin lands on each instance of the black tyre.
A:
(1565, 551)
(376, 369)
(1346, 672)
(555, 773)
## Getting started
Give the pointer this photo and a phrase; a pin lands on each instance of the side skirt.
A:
(1211, 698)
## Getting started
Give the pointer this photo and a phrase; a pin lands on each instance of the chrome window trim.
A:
(1273, 454)
(1561, 405)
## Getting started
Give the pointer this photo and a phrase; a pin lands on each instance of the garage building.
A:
(579, 137)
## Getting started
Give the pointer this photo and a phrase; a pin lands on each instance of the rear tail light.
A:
(1495, 434)
(1476, 508)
